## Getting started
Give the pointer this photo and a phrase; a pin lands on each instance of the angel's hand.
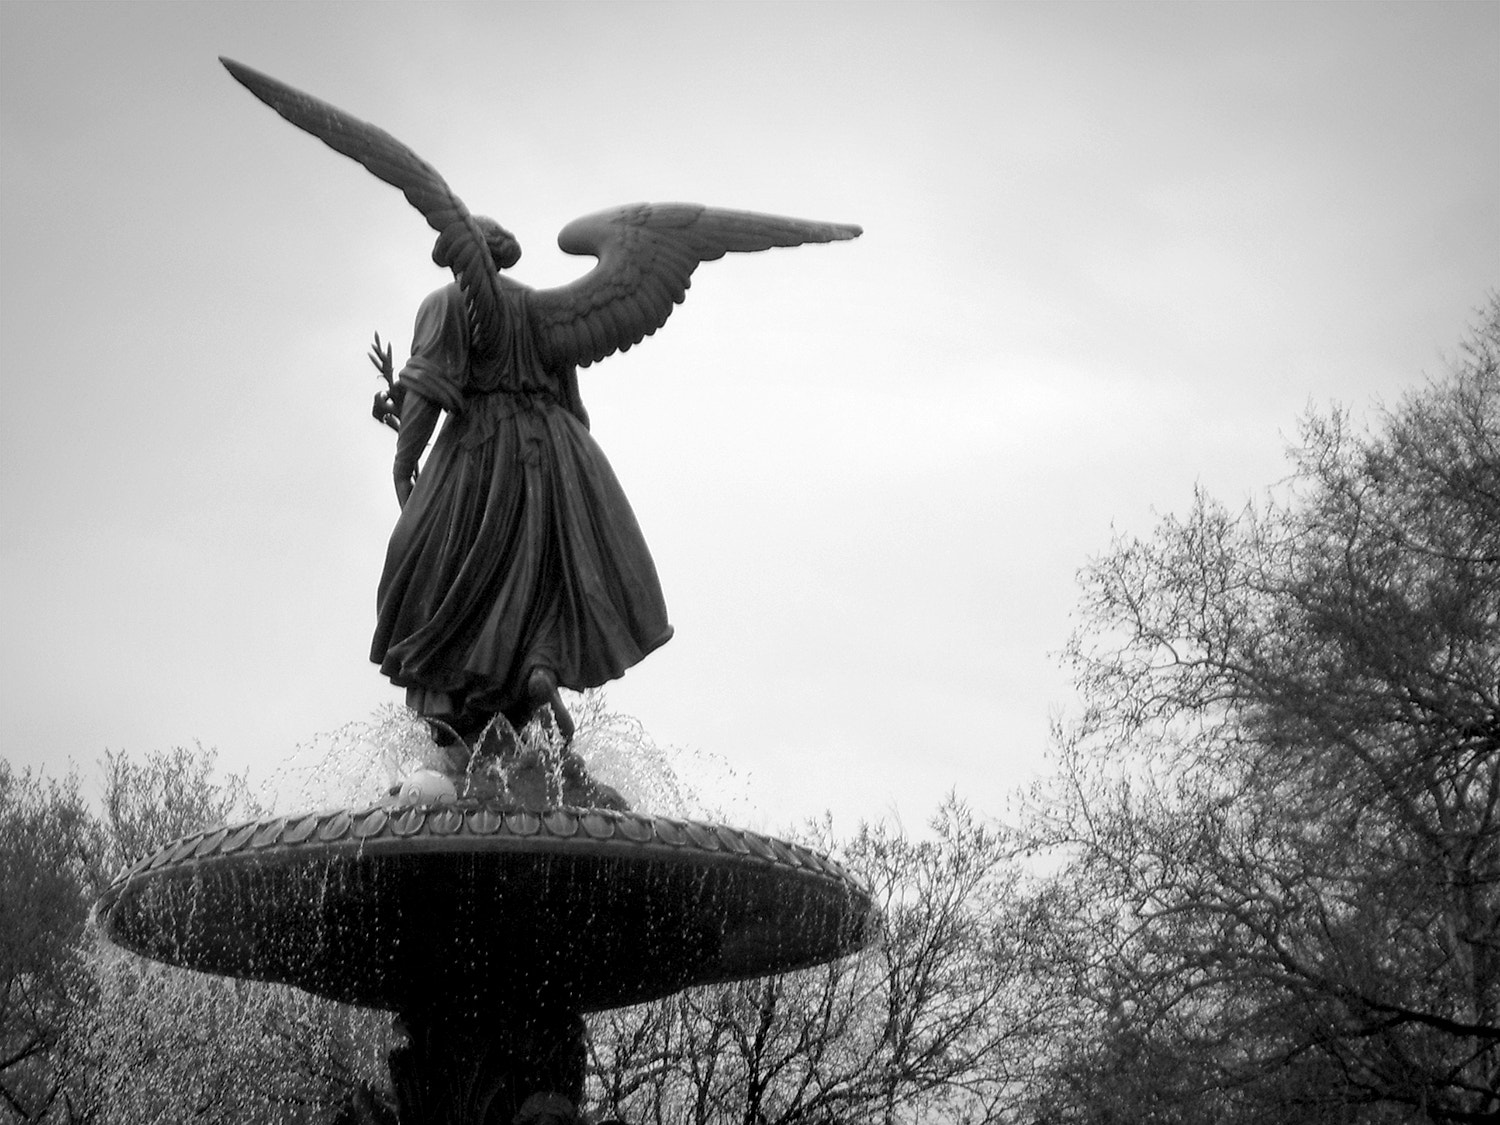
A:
(387, 410)
(382, 359)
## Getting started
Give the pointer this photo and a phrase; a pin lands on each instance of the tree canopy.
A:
(1282, 801)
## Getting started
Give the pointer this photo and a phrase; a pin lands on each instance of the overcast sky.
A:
(1111, 252)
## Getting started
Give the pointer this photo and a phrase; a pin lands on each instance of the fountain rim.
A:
(472, 825)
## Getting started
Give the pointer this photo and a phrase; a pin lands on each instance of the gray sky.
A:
(1111, 251)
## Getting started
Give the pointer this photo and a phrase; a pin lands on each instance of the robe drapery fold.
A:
(517, 548)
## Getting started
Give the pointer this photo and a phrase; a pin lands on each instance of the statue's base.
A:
(473, 915)
(531, 778)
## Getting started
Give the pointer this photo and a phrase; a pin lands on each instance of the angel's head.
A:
(505, 251)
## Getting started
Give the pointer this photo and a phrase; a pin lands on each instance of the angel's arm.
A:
(419, 415)
(430, 382)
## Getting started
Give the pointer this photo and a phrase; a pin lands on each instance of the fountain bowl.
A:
(421, 907)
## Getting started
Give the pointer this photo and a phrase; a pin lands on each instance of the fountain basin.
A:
(472, 903)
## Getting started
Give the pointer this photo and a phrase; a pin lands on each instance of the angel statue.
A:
(517, 566)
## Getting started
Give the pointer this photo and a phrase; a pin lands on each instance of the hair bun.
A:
(505, 251)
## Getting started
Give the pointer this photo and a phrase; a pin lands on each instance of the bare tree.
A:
(1282, 804)
(934, 1022)
(88, 1034)
(50, 853)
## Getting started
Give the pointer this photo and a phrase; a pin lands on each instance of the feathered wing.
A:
(389, 159)
(647, 253)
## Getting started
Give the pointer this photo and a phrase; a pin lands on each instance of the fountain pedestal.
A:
(489, 929)
(457, 1069)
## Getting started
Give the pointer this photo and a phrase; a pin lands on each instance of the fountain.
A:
(492, 904)
(488, 927)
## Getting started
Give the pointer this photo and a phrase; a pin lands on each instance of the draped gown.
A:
(517, 548)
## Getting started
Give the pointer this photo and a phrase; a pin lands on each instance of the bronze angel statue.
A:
(517, 566)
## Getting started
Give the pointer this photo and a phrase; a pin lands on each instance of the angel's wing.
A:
(647, 253)
(400, 167)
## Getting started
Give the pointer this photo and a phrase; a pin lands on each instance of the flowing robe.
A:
(517, 548)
